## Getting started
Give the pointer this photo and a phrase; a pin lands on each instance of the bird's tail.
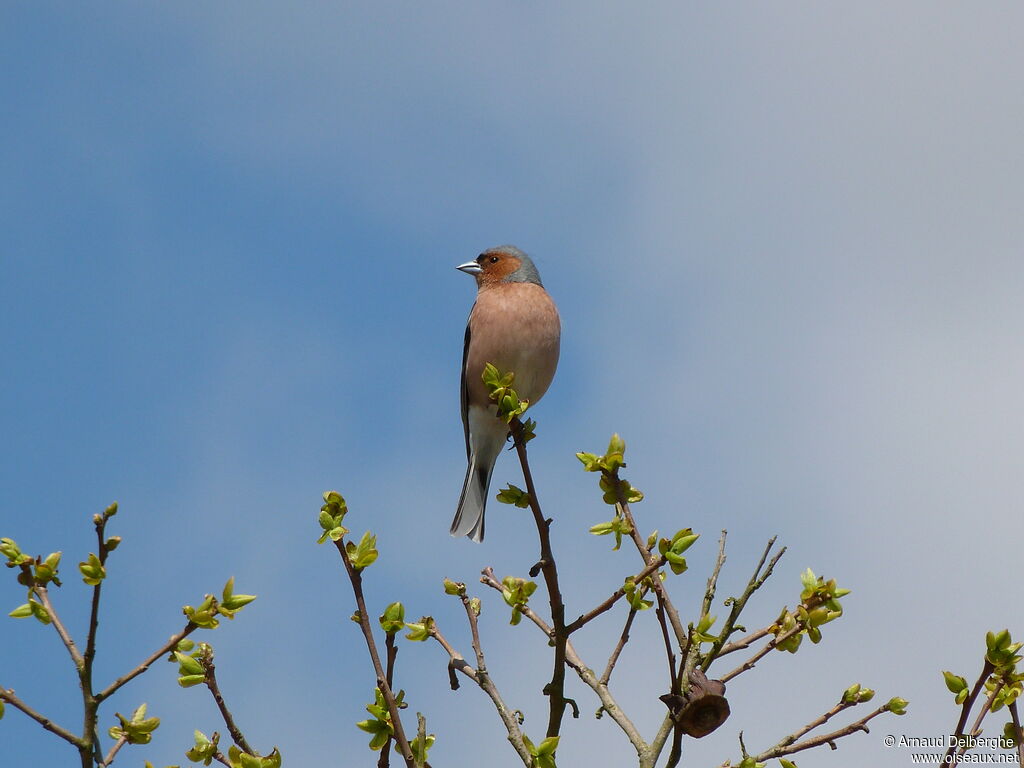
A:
(469, 519)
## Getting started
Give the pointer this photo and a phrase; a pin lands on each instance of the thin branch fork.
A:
(745, 642)
(480, 676)
(483, 679)
(790, 745)
(976, 728)
(391, 651)
(648, 557)
(739, 603)
(456, 661)
(764, 651)
(556, 688)
(355, 577)
(965, 710)
(608, 702)
(617, 595)
(162, 651)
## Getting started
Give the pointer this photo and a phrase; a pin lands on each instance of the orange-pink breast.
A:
(516, 327)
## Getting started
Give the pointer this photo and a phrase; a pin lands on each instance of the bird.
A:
(514, 325)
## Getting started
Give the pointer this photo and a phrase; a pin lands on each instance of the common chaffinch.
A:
(513, 325)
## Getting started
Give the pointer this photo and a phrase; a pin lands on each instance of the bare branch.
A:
(162, 651)
(69, 643)
(391, 651)
(965, 710)
(1018, 731)
(739, 603)
(94, 612)
(709, 593)
(608, 702)
(789, 745)
(482, 678)
(355, 577)
(556, 688)
(764, 651)
(623, 639)
(8, 696)
(210, 674)
(648, 557)
(615, 596)
(456, 661)
(122, 740)
(745, 642)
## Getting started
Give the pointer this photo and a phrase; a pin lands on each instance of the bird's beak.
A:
(470, 268)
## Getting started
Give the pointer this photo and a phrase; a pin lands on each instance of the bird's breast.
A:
(515, 327)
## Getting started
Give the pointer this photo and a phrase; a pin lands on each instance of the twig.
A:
(608, 702)
(482, 678)
(44, 598)
(645, 553)
(669, 654)
(163, 650)
(744, 643)
(976, 729)
(667, 726)
(391, 650)
(817, 722)
(355, 577)
(709, 593)
(456, 661)
(421, 724)
(210, 670)
(121, 741)
(789, 745)
(764, 651)
(556, 688)
(739, 603)
(94, 612)
(965, 710)
(8, 696)
(1018, 731)
(986, 707)
(606, 604)
(623, 639)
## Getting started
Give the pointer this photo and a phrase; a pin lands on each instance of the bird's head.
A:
(504, 264)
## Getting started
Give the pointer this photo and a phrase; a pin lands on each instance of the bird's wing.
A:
(464, 388)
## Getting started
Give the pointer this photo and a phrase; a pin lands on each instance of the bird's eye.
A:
(494, 259)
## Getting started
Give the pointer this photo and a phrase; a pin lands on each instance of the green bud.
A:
(188, 665)
(897, 705)
(420, 631)
(454, 587)
(955, 683)
(514, 495)
(364, 553)
(21, 612)
(393, 618)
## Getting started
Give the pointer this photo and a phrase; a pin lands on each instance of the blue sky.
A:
(785, 242)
